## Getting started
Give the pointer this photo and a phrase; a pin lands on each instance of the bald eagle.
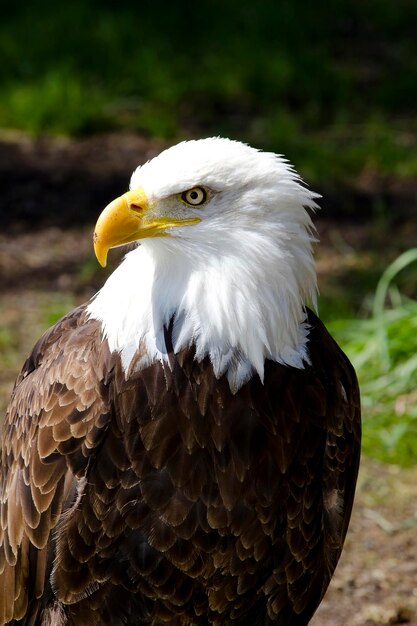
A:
(183, 449)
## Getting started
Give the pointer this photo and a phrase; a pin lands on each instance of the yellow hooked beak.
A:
(127, 219)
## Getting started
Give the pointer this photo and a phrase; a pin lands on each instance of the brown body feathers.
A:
(166, 499)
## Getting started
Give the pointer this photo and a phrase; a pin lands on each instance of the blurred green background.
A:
(333, 87)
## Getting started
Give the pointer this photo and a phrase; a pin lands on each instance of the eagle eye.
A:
(194, 196)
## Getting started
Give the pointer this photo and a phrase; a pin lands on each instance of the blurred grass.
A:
(333, 87)
(383, 350)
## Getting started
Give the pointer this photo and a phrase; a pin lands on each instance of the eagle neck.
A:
(229, 307)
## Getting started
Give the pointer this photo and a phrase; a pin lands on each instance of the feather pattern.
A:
(164, 508)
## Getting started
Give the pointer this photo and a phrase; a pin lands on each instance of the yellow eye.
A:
(194, 196)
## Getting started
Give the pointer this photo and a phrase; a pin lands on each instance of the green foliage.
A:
(383, 350)
(8, 346)
(54, 310)
(277, 74)
(8, 339)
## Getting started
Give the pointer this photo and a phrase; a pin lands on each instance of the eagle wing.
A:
(321, 482)
(56, 418)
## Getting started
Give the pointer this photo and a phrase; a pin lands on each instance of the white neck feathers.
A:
(239, 306)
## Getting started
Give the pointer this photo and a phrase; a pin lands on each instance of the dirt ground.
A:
(51, 193)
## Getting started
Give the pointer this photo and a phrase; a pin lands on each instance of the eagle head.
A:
(225, 253)
(220, 188)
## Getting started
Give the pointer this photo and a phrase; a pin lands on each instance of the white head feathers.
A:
(235, 284)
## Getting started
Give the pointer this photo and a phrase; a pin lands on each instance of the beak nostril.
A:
(137, 208)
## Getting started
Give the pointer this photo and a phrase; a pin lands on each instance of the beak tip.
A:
(100, 251)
